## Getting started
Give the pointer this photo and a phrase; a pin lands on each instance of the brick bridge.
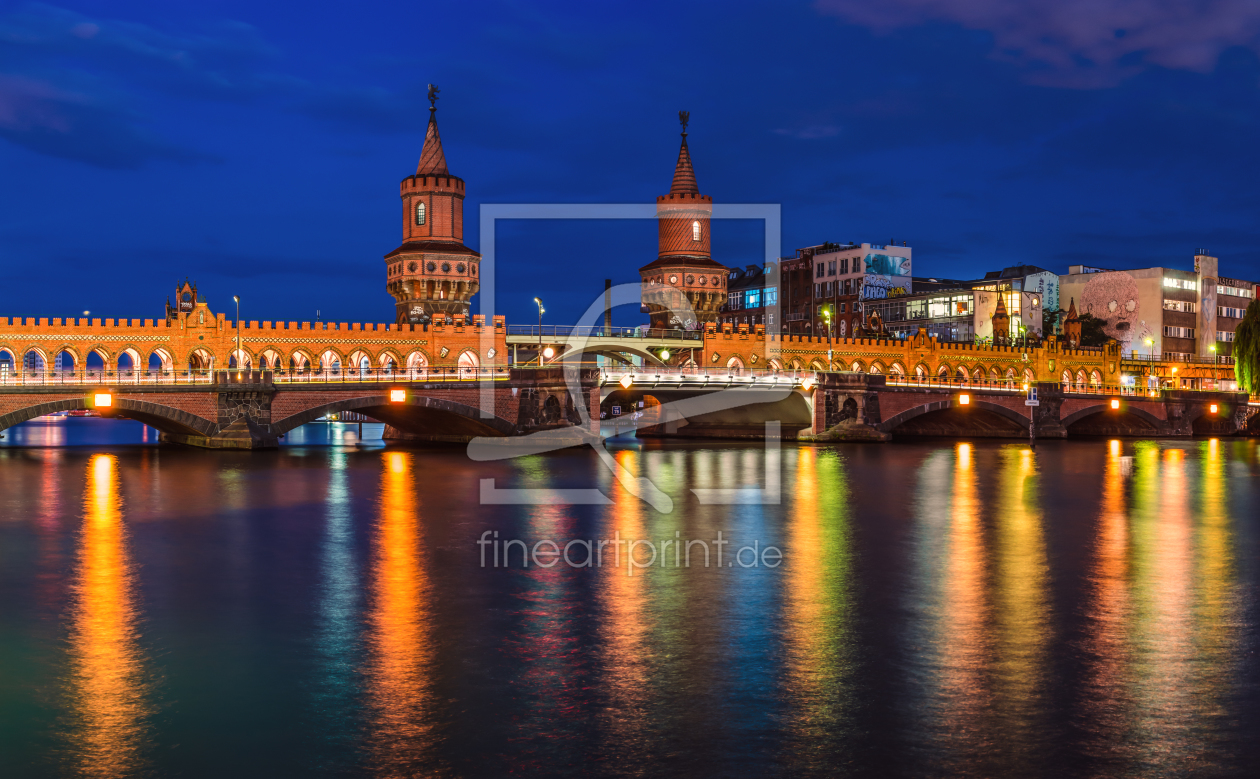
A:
(861, 406)
(250, 410)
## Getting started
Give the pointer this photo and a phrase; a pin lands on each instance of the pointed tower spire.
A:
(432, 160)
(1072, 316)
(684, 174)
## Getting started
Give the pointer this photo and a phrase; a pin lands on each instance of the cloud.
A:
(1080, 43)
(46, 119)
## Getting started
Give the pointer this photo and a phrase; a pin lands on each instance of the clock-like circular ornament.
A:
(715, 281)
(673, 279)
(460, 267)
(703, 281)
(691, 279)
(431, 266)
(411, 266)
(446, 267)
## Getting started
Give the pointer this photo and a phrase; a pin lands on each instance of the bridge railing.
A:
(102, 377)
(154, 378)
(391, 376)
(565, 332)
(696, 375)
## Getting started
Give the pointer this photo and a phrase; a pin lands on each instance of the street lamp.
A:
(1150, 348)
(541, 310)
(236, 299)
(827, 316)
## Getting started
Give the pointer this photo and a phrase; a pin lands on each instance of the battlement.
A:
(430, 183)
(684, 198)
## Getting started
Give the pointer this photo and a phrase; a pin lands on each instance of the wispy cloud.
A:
(1080, 43)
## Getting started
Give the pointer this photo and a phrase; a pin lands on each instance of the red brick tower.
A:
(1072, 326)
(684, 277)
(432, 271)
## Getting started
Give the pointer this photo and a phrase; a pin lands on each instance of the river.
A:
(940, 608)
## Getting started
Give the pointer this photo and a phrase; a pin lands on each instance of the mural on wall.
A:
(876, 287)
(887, 265)
(1113, 297)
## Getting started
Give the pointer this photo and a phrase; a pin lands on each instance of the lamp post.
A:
(541, 310)
(237, 300)
(827, 316)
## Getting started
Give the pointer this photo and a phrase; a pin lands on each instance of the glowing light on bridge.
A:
(1115, 404)
(964, 400)
(626, 381)
(807, 383)
(103, 400)
(398, 396)
(1213, 408)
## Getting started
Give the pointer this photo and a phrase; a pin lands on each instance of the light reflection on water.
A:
(969, 609)
(108, 685)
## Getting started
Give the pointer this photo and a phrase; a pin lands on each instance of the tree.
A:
(1092, 331)
(1247, 350)
(1050, 321)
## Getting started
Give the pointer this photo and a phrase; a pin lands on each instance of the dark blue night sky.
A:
(257, 147)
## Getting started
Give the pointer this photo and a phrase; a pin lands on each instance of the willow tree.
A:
(1247, 350)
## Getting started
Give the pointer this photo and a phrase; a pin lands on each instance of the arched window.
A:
(420, 213)
(695, 231)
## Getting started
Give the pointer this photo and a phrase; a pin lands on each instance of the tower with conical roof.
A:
(684, 287)
(432, 271)
(1001, 321)
(1072, 326)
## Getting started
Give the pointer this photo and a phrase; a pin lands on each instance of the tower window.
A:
(695, 231)
(420, 213)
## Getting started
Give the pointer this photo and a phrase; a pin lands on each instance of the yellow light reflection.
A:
(108, 676)
(627, 631)
(398, 634)
(1023, 606)
(818, 606)
(951, 607)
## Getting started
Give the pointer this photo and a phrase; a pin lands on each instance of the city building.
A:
(683, 288)
(796, 293)
(432, 271)
(845, 276)
(751, 296)
(1165, 312)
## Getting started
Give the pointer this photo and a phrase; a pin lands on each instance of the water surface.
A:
(942, 609)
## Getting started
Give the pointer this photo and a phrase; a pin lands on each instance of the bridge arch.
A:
(300, 360)
(36, 358)
(155, 415)
(420, 414)
(988, 414)
(200, 359)
(1104, 406)
(166, 362)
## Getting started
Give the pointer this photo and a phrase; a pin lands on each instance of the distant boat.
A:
(81, 413)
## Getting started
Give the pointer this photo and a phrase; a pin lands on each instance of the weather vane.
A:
(433, 96)
(683, 117)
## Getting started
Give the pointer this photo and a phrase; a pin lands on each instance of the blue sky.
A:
(257, 147)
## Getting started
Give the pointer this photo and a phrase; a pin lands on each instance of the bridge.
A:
(201, 379)
(855, 406)
(252, 410)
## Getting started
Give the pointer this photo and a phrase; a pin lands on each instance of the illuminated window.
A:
(420, 213)
(695, 231)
